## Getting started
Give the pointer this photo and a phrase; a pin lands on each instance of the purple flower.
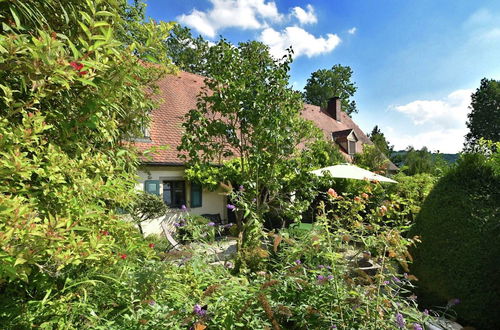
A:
(396, 280)
(321, 266)
(242, 188)
(400, 321)
(386, 282)
(183, 207)
(211, 224)
(176, 224)
(152, 303)
(329, 277)
(230, 207)
(321, 277)
(200, 311)
(333, 326)
(417, 326)
(426, 311)
(298, 262)
(453, 302)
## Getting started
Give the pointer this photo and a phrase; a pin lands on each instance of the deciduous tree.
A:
(248, 112)
(484, 118)
(187, 52)
(327, 83)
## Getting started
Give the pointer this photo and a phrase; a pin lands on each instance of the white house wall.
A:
(213, 202)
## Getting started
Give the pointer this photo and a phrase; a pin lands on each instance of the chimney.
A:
(334, 108)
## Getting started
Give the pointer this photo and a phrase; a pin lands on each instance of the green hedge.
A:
(459, 225)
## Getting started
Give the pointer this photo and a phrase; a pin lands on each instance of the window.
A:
(196, 192)
(351, 147)
(152, 187)
(174, 193)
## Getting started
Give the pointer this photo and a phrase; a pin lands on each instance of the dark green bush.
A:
(459, 225)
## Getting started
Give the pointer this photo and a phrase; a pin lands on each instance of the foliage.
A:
(186, 52)
(484, 118)
(320, 153)
(159, 243)
(378, 138)
(195, 228)
(308, 279)
(414, 161)
(146, 207)
(459, 228)
(134, 28)
(246, 111)
(70, 94)
(327, 83)
(372, 159)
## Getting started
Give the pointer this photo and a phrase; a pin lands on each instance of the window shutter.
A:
(152, 187)
(196, 192)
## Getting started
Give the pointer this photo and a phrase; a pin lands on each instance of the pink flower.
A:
(151, 245)
(332, 193)
(123, 256)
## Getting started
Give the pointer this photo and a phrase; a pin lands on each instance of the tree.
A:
(484, 118)
(378, 138)
(418, 161)
(371, 158)
(146, 207)
(246, 111)
(185, 51)
(325, 84)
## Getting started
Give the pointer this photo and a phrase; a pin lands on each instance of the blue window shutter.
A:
(152, 187)
(196, 193)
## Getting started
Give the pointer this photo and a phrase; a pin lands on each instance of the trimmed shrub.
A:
(459, 226)
(146, 207)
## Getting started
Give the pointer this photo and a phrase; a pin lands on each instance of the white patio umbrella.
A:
(349, 171)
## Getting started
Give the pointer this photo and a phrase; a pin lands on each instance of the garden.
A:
(77, 83)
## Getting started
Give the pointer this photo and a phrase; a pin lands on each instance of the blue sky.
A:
(415, 62)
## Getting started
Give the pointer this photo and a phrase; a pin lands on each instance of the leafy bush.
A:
(195, 228)
(371, 158)
(459, 225)
(159, 243)
(70, 94)
(146, 207)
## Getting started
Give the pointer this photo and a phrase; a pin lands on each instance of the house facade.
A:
(163, 172)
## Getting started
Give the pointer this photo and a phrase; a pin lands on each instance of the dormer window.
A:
(351, 146)
(346, 139)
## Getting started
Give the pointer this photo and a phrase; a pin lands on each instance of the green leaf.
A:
(20, 261)
(87, 82)
(15, 16)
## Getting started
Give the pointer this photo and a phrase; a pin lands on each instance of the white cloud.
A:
(244, 14)
(445, 140)
(352, 30)
(450, 112)
(303, 42)
(440, 124)
(305, 17)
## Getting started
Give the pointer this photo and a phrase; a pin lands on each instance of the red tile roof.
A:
(178, 95)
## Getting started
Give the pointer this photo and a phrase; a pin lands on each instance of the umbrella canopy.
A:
(349, 171)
